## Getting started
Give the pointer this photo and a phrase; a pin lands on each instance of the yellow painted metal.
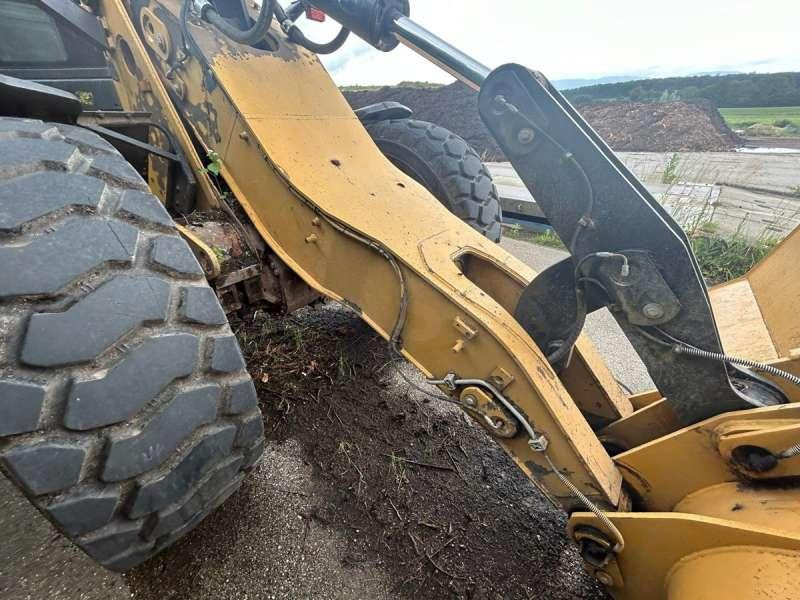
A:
(140, 88)
(775, 436)
(667, 469)
(646, 424)
(359, 231)
(777, 508)
(645, 399)
(757, 314)
(656, 542)
(736, 573)
(204, 253)
(292, 151)
(776, 287)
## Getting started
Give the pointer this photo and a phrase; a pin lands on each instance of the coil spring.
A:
(790, 452)
(751, 364)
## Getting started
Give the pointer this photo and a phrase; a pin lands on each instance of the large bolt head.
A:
(653, 311)
(526, 135)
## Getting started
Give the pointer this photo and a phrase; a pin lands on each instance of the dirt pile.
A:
(415, 485)
(626, 126)
(660, 127)
(414, 488)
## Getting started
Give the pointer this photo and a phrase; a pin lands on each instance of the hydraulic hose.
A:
(298, 37)
(251, 36)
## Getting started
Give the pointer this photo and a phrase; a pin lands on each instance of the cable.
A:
(418, 387)
(750, 364)
(790, 452)
(585, 220)
(538, 443)
(646, 334)
(189, 43)
(591, 506)
(580, 318)
(298, 37)
(396, 336)
(680, 347)
(580, 296)
(395, 339)
(249, 37)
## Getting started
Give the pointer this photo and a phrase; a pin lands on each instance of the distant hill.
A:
(730, 91)
(571, 84)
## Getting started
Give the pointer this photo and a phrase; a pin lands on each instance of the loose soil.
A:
(626, 126)
(661, 127)
(410, 483)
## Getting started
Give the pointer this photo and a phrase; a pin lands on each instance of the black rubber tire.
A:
(447, 166)
(126, 412)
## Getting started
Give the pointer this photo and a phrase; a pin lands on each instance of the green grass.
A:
(739, 118)
(722, 256)
(543, 238)
(670, 175)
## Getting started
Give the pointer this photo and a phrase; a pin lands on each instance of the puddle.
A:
(762, 150)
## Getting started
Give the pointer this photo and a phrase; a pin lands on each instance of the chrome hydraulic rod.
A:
(385, 23)
(435, 49)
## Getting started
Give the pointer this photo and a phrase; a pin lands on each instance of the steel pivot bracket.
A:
(597, 206)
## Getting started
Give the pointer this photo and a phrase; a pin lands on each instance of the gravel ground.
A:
(289, 535)
(37, 563)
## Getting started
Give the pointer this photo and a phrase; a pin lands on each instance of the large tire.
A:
(126, 412)
(447, 166)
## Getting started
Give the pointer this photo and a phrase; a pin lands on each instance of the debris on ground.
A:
(626, 126)
(410, 485)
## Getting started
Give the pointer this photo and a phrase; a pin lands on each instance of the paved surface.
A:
(772, 143)
(37, 563)
(775, 172)
(763, 207)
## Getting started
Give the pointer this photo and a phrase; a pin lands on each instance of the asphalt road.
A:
(38, 563)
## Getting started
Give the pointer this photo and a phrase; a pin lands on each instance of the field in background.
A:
(739, 118)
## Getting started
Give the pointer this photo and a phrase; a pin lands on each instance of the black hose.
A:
(251, 36)
(298, 37)
(189, 42)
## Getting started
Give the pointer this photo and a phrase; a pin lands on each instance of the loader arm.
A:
(354, 228)
(359, 231)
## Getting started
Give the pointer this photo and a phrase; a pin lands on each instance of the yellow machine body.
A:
(687, 520)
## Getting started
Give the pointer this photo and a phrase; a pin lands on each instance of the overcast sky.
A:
(588, 38)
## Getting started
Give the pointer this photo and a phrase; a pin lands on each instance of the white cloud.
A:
(587, 38)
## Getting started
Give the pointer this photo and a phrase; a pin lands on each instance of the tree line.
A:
(727, 91)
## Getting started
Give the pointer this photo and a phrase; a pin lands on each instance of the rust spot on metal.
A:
(536, 469)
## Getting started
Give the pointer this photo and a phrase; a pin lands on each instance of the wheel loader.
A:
(164, 164)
